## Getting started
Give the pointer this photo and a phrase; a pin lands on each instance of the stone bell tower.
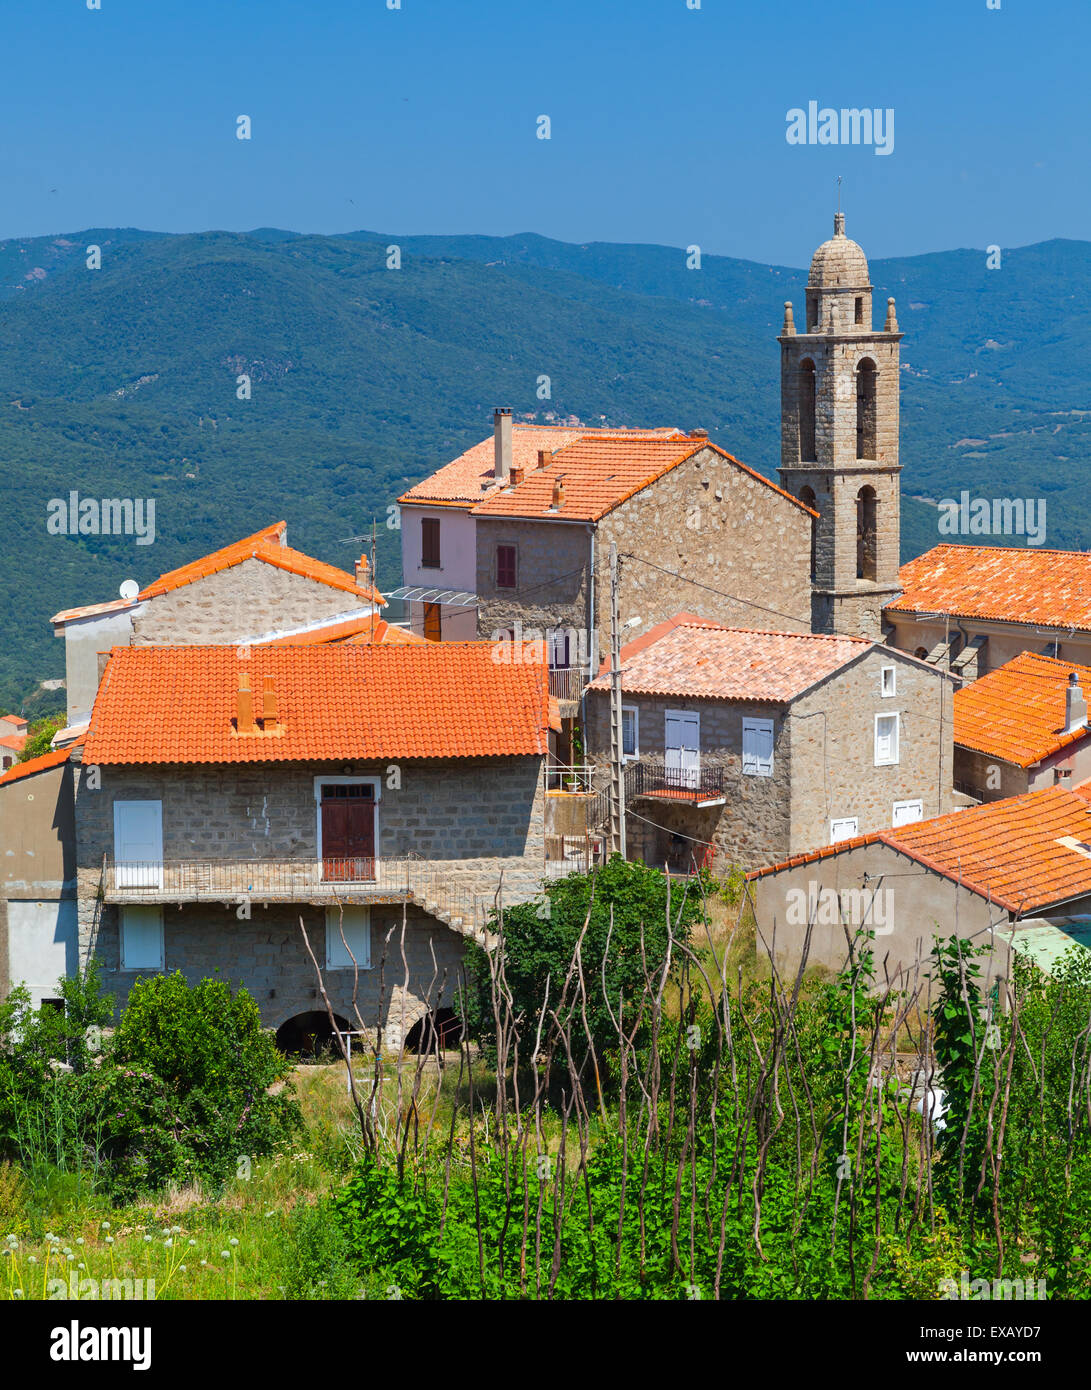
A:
(839, 438)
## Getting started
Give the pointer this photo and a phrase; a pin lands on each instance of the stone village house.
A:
(1023, 727)
(971, 608)
(254, 590)
(220, 798)
(744, 747)
(1011, 875)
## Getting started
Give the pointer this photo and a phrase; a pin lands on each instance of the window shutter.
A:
(357, 928)
(757, 747)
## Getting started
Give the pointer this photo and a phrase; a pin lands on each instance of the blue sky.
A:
(668, 123)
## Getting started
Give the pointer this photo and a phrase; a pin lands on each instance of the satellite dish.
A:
(129, 589)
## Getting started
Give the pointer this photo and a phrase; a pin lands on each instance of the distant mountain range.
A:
(121, 382)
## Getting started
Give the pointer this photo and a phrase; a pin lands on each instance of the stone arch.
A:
(808, 498)
(309, 1033)
(441, 1025)
(867, 538)
(807, 406)
(867, 384)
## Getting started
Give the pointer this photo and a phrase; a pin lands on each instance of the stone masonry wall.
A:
(833, 744)
(468, 822)
(244, 601)
(708, 520)
(752, 828)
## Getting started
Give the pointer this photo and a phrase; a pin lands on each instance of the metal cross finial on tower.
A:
(838, 192)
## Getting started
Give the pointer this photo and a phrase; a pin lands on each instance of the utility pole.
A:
(617, 742)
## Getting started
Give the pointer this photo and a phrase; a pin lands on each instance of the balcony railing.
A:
(262, 880)
(577, 777)
(691, 784)
(567, 682)
(435, 887)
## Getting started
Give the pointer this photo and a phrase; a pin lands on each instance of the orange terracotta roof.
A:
(388, 635)
(462, 482)
(1049, 588)
(13, 719)
(339, 702)
(599, 473)
(269, 546)
(1025, 853)
(33, 765)
(1017, 712)
(15, 741)
(704, 660)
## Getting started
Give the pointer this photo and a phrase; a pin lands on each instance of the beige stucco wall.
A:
(914, 906)
(37, 851)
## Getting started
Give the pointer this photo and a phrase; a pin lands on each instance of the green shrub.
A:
(316, 1256)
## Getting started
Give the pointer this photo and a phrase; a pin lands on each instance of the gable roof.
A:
(343, 702)
(1017, 712)
(13, 719)
(269, 546)
(465, 480)
(599, 472)
(1024, 853)
(699, 659)
(15, 741)
(33, 765)
(1048, 588)
(363, 627)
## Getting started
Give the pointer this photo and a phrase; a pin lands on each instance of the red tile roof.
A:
(465, 480)
(599, 473)
(15, 741)
(267, 545)
(1017, 712)
(1013, 852)
(704, 660)
(33, 765)
(1049, 588)
(13, 719)
(344, 702)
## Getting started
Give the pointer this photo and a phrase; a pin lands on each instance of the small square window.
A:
(505, 567)
(355, 924)
(889, 681)
(142, 937)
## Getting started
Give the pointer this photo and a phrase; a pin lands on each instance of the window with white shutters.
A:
(141, 937)
(757, 747)
(843, 829)
(886, 739)
(355, 923)
(906, 812)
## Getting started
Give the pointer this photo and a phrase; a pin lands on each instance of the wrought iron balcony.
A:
(260, 880)
(701, 786)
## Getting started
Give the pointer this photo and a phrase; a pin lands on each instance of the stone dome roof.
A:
(839, 263)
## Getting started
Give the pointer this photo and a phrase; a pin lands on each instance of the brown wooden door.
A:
(348, 832)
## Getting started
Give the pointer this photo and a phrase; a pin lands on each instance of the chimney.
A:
(1075, 706)
(558, 495)
(245, 721)
(698, 434)
(268, 704)
(363, 572)
(501, 427)
(516, 476)
(545, 458)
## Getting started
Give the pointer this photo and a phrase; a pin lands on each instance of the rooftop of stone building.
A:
(839, 263)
